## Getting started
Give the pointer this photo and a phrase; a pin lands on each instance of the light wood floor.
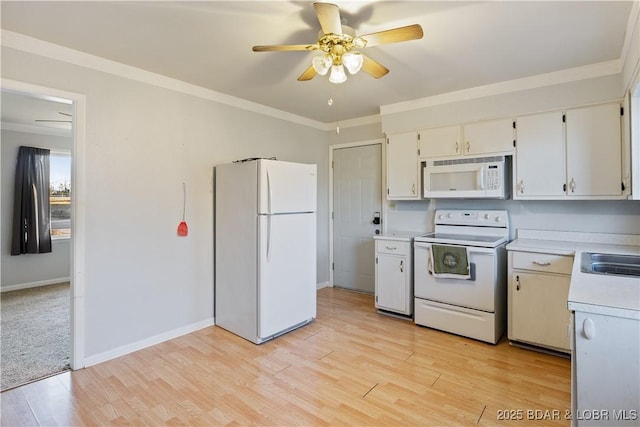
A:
(352, 366)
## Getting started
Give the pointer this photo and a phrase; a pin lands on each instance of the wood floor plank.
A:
(351, 366)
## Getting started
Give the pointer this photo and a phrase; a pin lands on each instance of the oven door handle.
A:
(429, 264)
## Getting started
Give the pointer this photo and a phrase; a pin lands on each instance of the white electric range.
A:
(474, 304)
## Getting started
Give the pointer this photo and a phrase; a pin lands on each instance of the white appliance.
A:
(472, 178)
(474, 305)
(265, 247)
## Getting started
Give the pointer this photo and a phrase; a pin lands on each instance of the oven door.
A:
(478, 292)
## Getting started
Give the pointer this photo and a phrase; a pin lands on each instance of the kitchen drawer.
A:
(536, 261)
(393, 247)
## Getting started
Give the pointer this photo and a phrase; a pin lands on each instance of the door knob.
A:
(376, 218)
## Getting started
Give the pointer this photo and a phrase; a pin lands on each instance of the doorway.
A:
(356, 202)
(77, 223)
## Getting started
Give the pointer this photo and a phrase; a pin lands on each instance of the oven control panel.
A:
(478, 218)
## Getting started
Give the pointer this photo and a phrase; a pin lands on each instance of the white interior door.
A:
(357, 180)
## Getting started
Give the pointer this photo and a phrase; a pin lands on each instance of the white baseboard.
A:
(34, 284)
(323, 285)
(148, 342)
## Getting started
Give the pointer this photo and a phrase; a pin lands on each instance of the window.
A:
(60, 193)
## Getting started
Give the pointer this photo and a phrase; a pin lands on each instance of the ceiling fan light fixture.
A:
(322, 63)
(337, 74)
(353, 60)
(359, 42)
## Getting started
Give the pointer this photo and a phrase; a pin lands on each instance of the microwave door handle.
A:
(481, 177)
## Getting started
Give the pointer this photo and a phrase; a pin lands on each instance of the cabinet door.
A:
(606, 369)
(391, 282)
(402, 166)
(594, 151)
(440, 142)
(539, 157)
(539, 313)
(488, 137)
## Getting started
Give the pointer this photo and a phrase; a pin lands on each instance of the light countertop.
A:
(594, 293)
(613, 295)
(404, 236)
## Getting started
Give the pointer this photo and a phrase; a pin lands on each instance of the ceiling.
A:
(208, 43)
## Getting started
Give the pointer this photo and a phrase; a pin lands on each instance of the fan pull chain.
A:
(330, 103)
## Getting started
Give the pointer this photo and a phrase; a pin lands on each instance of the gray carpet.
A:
(35, 334)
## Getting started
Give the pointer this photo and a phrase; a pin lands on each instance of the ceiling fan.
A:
(338, 44)
(57, 121)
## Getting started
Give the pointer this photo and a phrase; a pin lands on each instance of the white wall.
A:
(142, 142)
(611, 216)
(532, 100)
(28, 269)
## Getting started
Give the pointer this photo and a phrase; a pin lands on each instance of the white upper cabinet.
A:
(443, 141)
(575, 153)
(402, 166)
(472, 139)
(488, 137)
(594, 151)
(540, 156)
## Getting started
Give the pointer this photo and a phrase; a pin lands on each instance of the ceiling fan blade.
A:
(374, 68)
(284, 47)
(329, 17)
(401, 34)
(308, 74)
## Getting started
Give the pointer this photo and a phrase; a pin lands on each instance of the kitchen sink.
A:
(599, 263)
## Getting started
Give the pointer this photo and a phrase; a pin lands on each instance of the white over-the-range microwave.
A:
(467, 178)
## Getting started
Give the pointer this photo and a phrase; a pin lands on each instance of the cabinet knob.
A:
(401, 266)
(413, 189)
(457, 147)
(521, 187)
(589, 329)
(468, 146)
(572, 185)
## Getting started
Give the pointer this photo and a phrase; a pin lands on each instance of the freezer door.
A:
(287, 272)
(286, 187)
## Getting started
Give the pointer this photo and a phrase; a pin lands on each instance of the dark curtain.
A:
(31, 232)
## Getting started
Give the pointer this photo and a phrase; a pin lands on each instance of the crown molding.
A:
(634, 15)
(41, 130)
(541, 80)
(53, 51)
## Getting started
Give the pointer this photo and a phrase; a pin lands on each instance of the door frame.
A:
(383, 214)
(78, 224)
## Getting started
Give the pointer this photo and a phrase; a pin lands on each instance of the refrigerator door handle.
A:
(268, 237)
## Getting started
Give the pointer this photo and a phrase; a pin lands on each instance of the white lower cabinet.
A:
(394, 275)
(605, 370)
(537, 300)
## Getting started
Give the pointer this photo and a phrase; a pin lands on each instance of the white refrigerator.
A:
(265, 247)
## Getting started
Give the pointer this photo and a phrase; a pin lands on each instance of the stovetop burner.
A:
(469, 228)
